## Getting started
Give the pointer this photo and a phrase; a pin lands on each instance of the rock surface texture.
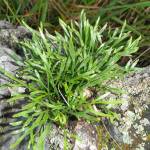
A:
(132, 129)
(134, 120)
(9, 34)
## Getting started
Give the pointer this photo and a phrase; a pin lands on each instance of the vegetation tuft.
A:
(115, 12)
(56, 72)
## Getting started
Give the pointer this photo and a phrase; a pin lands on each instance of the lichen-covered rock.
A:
(78, 136)
(86, 137)
(9, 34)
(56, 138)
(5, 25)
(133, 126)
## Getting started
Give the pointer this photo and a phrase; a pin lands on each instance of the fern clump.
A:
(58, 69)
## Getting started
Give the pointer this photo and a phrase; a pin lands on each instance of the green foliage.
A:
(115, 12)
(58, 69)
(135, 12)
(18, 10)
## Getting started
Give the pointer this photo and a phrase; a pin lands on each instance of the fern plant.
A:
(58, 69)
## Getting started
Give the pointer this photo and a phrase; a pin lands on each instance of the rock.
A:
(78, 136)
(86, 137)
(9, 35)
(8, 38)
(56, 138)
(4, 93)
(5, 25)
(133, 125)
(7, 63)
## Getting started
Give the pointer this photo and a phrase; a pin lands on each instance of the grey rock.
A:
(5, 93)
(6, 62)
(8, 39)
(86, 137)
(9, 34)
(132, 126)
(56, 138)
(5, 25)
